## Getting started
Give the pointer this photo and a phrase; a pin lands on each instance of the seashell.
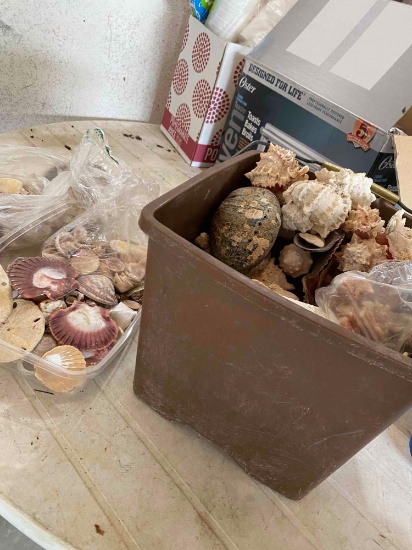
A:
(38, 276)
(65, 244)
(202, 241)
(6, 297)
(136, 271)
(245, 227)
(74, 297)
(113, 265)
(364, 221)
(268, 273)
(84, 327)
(278, 290)
(94, 357)
(85, 261)
(294, 261)
(65, 357)
(123, 283)
(128, 251)
(277, 168)
(361, 254)
(313, 240)
(99, 288)
(11, 186)
(323, 272)
(122, 315)
(132, 304)
(136, 293)
(50, 306)
(346, 182)
(399, 237)
(79, 233)
(313, 207)
(104, 270)
(24, 329)
(46, 344)
(329, 242)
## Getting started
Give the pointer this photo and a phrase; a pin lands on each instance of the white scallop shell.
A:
(347, 182)
(294, 261)
(277, 167)
(362, 254)
(313, 207)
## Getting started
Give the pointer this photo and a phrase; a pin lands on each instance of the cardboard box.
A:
(330, 82)
(204, 82)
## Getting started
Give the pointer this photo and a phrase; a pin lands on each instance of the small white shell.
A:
(313, 207)
(294, 261)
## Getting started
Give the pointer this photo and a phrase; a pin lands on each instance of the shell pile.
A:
(72, 304)
(328, 227)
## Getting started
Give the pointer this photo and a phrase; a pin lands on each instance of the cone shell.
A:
(6, 299)
(83, 326)
(66, 357)
(34, 277)
(99, 288)
(10, 186)
(85, 261)
(24, 328)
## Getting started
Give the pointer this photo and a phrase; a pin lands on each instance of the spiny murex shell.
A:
(399, 237)
(346, 182)
(24, 329)
(277, 167)
(244, 227)
(361, 254)
(6, 299)
(84, 327)
(98, 287)
(313, 207)
(364, 221)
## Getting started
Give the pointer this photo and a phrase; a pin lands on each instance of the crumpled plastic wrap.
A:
(268, 16)
(377, 305)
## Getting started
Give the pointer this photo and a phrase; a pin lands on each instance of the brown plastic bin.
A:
(289, 395)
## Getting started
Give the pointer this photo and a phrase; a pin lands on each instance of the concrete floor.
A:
(12, 539)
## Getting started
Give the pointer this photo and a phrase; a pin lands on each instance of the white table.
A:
(110, 464)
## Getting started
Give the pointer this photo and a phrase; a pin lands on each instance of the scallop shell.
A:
(113, 265)
(136, 271)
(277, 168)
(294, 261)
(65, 357)
(122, 315)
(38, 276)
(361, 254)
(364, 221)
(85, 261)
(313, 207)
(6, 298)
(24, 329)
(399, 237)
(84, 327)
(65, 243)
(268, 273)
(11, 186)
(123, 283)
(346, 182)
(278, 290)
(99, 288)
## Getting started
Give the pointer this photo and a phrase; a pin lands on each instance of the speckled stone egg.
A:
(244, 227)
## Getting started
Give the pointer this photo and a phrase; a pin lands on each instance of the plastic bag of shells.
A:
(295, 233)
(29, 184)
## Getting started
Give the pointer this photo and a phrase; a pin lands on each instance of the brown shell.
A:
(84, 327)
(99, 288)
(85, 261)
(66, 357)
(24, 329)
(39, 276)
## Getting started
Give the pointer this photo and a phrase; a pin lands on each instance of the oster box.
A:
(204, 82)
(333, 82)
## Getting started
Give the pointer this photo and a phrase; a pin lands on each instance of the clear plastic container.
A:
(23, 363)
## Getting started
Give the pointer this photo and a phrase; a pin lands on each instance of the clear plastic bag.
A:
(267, 17)
(227, 18)
(377, 305)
